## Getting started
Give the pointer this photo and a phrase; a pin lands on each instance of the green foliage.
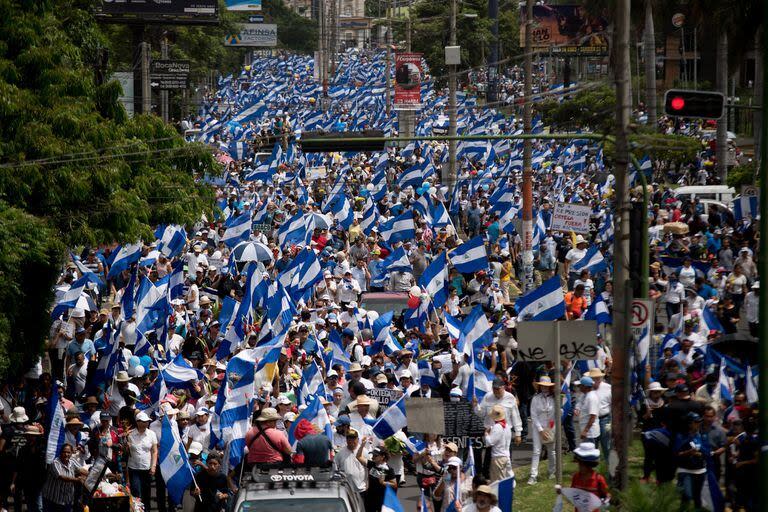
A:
(743, 174)
(431, 28)
(73, 168)
(642, 497)
(675, 149)
(588, 109)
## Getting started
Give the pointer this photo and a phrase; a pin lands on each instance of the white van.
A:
(720, 193)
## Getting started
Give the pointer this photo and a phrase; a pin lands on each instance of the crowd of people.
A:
(273, 301)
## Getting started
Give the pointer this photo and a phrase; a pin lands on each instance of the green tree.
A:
(73, 168)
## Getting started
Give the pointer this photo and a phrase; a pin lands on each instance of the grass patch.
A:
(541, 497)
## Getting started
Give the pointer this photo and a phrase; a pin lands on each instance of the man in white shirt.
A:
(603, 390)
(499, 437)
(348, 289)
(588, 411)
(572, 256)
(351, 460)
(674, 296)
(508, 401)
(200, 431)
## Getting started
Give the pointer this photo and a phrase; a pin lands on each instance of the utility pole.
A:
(452, 109)
(408, 32)
(763, 262)
(146, 91)
(388, 72)
(649, 51)
(493, 66)
(620, 381)
(163, 93)
(527, 153)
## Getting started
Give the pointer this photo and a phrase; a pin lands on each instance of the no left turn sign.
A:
(640, 313)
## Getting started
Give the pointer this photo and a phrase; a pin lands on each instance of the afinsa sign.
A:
(253, 34)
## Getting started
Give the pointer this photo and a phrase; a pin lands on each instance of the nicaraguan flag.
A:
(174, 462)
(339, 355)
(400, 228)
(293, 230)
(179, 374)
(391, 503)
(593, 261)
(709, 322)
(172, 240)
(400, 261)
(480, 381)
(475, 332)
(314, 413)
(470, 256)
(126, 256)
(71, 297)
(546, 302)
(392, 420)
(751, 386)
(746, 207)
(342, 212)
(724, 384)
(311, 384)
(440, 217)
(453, 326)
(598, 311)
(57, 425)
(370, 217)
(411, 177)
(505, 492)
(238, 230)
(434, 280)
(414, 446)
(426, 374)
(233, 406)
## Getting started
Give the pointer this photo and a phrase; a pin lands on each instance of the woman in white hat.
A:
(142, 458)
(543, 420)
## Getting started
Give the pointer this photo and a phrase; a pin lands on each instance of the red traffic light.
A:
(678, 103)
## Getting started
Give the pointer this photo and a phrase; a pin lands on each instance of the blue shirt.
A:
(87, 348)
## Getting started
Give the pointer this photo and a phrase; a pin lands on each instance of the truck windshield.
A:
(295, 505)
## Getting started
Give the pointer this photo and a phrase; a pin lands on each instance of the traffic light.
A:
(703, 104)
(323, 142)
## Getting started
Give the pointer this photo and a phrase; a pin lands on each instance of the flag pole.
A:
(558, 410)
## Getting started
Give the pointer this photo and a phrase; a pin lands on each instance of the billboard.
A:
(408, 81)
(159, 11)
(243, 5)
(253, 34)
(567, 29)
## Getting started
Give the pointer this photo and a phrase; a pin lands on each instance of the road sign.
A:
(169, 74)
(257, 18)
(641, 312)
(678, 20)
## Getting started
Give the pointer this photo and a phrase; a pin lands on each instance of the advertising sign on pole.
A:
(243, 5)
(408, 81)
(168, 11)
(571, 217)
(567, 30)
(577, 340)
(253, 34)
(169, 74)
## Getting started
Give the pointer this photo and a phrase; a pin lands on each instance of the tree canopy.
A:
(74, 170)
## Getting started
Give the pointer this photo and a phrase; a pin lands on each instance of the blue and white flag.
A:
(400, 261)
(311, 384)
(414, 446)
(546, 302)
(399, 228)
(435, 280)
(598, 311)
(294, 230)
(233, 406)
(342, 212)
(179, 374)
(392, 420)
(453, 326)
(370, 217)
(171, 240)
(480, 381)
(391, 503)
(71, 297)
(746, 208)
(470, 256)
(593, 261)
(724, 384)
(314, 413)
(174, 462)
(238, 230)
(751, 385)
(126, 256)
(505, 492)
(339, 355)
(57, 425)
(708, 321)
(475, 332)
(426, 374)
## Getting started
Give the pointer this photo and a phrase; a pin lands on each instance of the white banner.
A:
(571, 217)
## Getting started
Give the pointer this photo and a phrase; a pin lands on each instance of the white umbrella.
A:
(252, 251)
